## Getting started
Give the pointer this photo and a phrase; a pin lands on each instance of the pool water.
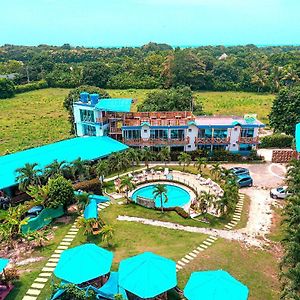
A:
(177, 196)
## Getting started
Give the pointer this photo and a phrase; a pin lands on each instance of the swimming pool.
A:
(177, 196)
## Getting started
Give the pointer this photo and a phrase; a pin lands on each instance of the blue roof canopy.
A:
(91, 211)
(3, 263)
(87, 148)
(83, 263)
(147, 275)
(298, 137)
(115, 104)
(214, 285)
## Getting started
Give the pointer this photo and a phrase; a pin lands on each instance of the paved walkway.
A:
(40, 282)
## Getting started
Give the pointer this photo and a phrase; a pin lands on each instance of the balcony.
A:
(212, 141)
(156, 142)
(248, 140)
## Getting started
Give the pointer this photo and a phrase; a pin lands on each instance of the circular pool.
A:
(177, 196)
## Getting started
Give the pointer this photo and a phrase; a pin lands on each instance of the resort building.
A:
(181, 130)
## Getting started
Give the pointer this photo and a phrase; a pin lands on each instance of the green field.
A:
(38, 117)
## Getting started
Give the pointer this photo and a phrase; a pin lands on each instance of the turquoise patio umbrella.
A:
(83, 263)
(147, 275)
(3, 263)
(214, 285)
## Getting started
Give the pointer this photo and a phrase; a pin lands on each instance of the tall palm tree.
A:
(54, 169)
(118, 162)
(80, 169)
(132, 156)
(160, 190)
(216, 170)
(28, 175)
(127, 185)
(205, 200)
(102, 169)
(200, 163)
(165, 154)
(184, 159)
(147, 155)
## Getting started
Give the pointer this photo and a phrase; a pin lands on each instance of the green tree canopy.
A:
(7, 88)
(285, 113)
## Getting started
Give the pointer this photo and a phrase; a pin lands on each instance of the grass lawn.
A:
(236, 103)
(33, 119)
(38, 117)
(255, 268)
(133, 238)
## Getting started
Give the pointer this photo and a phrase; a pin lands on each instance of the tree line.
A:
(243, 68)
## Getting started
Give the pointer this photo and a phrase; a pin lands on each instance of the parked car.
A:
(239, 171)
(279, 192)
(244, 180)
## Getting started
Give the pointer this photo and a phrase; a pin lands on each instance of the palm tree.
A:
(205, 200)
(184, 159)
(118, 162)
(127, 185)
(165, 154)
(107, 234)
(54, 169)
(147, 155)
(216, 170)
(132, 156)
(80, 169)
(28, 175)
(102, 169)
(160, 190)
(201, 162)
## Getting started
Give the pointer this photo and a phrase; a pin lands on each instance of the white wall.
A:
(145, 135)
(234, 134)
(192, 133)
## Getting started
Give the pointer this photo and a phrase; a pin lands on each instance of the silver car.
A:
(279, 192)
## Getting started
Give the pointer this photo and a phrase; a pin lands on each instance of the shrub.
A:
(277, 141)
(7, 88)
(91, 186)
(42, 84)
(61, 192)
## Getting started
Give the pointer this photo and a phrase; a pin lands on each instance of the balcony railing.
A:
(156, 142)
(212, 141)
(248, 140)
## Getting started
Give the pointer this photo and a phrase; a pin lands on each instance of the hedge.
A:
(92, 186)
(277, 141)
(37, 85)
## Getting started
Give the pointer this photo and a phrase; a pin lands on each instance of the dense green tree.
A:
(184, 159)
(28, 175)
(7, 88)
(60, 192)
(285, 113)
(95, 74)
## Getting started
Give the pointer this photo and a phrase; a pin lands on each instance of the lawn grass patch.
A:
(255, 268)
(32, 119)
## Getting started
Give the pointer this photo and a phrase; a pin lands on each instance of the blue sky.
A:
(136, 22)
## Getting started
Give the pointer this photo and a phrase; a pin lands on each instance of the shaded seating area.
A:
(5, 287)
(214, 285)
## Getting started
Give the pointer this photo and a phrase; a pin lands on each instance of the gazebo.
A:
(147, 276)
(214, 285)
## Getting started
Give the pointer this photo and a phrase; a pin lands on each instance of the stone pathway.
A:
(40, 282)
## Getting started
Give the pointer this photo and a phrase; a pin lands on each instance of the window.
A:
(87, 116)
(177, 134)
(245, 147)
(190, 129)
(145, 130)
(247, 132)
(159, 134)
(132, 134)
(220, 133)
(219, 147)
(201, 133)
(89, 130)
